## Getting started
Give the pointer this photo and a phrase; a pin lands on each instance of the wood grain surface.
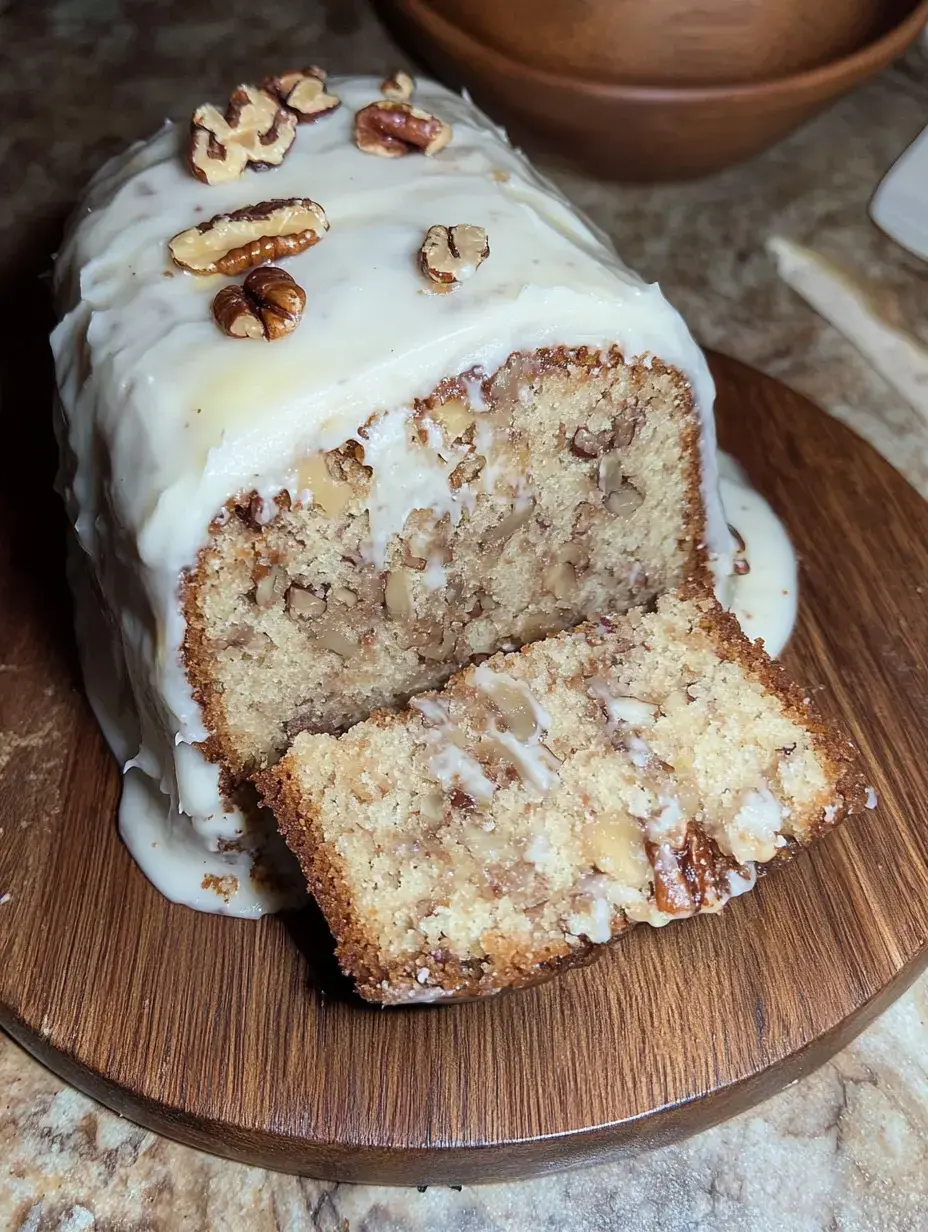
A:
(240, 1037)
(611, 123)
(714, 42)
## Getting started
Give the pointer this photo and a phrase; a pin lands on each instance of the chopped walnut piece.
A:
(271, 585)
(440, 649)
(615, 844)
(254, 129)
(587, 444)
(690, 878)
(330, 493)
(621, 432)
(392, 129)
(344, 643)
(521, 515)
(344, 596)
(268, 231)
(623, 502)
(467, 471)
(572, 554)
(561, 580)
(518, 713)
(620, 496)
(303, 603)
(399, 86)
(303, 92)
(267, 305)
(397, 597)
(451, 254)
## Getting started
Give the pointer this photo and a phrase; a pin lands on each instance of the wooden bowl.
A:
(673, 42)
(634, 132)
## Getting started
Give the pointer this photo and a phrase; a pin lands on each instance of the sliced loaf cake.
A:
(637, 769)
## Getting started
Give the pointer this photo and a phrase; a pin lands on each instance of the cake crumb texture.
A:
(563, 485)
(638, 769)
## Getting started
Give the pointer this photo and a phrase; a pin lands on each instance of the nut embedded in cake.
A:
(635, 770)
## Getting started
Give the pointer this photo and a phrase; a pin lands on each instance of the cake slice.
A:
(636, 769)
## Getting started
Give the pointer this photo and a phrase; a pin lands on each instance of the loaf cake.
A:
(637, 769)
(321, 451)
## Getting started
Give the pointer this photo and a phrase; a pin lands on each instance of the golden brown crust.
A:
(449, 979)
(839, 754)
(359, 955)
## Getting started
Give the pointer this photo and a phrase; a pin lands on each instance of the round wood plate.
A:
(240, 1037)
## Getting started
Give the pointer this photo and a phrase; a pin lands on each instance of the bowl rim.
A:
(871, 55)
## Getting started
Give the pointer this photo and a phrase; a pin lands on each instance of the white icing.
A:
(595, 925)
(406, 476)
(669, 824)
(188, 418)
(738, 884)
(765, 599)
(434, 574)
(872, 799)
(638, 751)
(622, 709)
(537, 766)
(451, 765)
(180, 855)
(176, 852)
(753, 831)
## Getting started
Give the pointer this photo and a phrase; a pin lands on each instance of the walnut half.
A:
(692, 877)
(303, 92)
(391, 129)
(399, 86)
(253, 129)
(268, 231)
(269, 304)
(451, 254)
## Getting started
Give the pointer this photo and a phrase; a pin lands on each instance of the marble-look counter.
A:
(846, 1148)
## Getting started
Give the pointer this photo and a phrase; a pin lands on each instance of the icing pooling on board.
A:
(188, 418)
(765, 599)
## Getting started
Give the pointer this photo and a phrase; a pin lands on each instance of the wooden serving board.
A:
(240, 1037)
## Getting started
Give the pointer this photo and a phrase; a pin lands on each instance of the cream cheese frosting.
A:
(164, 418)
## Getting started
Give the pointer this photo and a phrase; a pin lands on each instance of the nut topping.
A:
(254, 129)
(267, 305)
(392, 129)
(268, 231)
(400, 86)
(451, 254)
(303, 92)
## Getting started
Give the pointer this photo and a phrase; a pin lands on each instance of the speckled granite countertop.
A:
(846, 1148)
